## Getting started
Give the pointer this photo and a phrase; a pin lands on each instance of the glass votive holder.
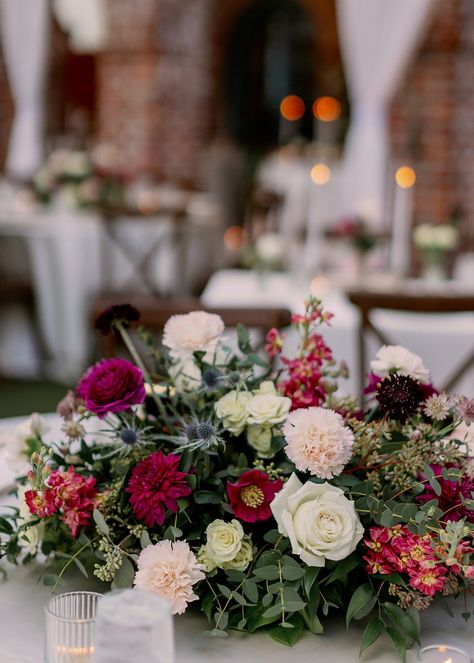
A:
(443, 654)
(70, 621)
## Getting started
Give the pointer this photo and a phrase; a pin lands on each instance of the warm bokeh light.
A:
(292, 107)
(320, 173)
(319, 286)
(148, 202)
(405, 177)
(327, 109)
(235, 238)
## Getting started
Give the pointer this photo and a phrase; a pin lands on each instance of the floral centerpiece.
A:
(259, 494)
(435, 242)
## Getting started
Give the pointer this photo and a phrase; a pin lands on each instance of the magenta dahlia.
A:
(156, 485)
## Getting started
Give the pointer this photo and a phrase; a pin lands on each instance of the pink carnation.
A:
(156, 485)
(318, 441)
(169, 570)
(111, 385)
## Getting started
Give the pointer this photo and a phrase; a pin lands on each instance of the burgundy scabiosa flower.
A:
(111, 385)
(156, 484)
(399, 396)
(251, 496)
(450, 501)
(126, 314)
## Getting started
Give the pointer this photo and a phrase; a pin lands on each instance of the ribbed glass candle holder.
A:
(70, 621)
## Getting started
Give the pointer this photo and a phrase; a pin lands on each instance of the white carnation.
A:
(397, 359)
(197, 331)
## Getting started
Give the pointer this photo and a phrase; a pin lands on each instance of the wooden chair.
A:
(154, 313)
(368, 300)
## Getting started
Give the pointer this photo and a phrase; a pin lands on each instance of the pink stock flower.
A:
(429, 578)
(156, 485)
(41, 502)
(273, 343)
(111, 385)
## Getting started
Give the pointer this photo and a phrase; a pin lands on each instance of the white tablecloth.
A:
(443, 341)
(64, 252)
(22, 601)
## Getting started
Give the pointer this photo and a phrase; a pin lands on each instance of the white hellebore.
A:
(231, 409)
(267, 407)
(396, 358)
(197, 331)
(319, 520)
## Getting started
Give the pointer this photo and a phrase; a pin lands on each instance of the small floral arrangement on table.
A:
(435, 241)
(78, 180)
(258, 493)
(357, 231)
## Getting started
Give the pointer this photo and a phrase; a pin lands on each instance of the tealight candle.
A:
(443, 654)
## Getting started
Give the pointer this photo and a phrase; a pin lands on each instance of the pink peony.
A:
(111, 385)
(169, 570)
(156, 485)
(317, 441)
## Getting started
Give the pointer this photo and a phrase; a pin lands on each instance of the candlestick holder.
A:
(70, 621)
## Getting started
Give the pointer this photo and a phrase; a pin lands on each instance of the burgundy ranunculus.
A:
(156, 484)
(251, 496)
(111, 385)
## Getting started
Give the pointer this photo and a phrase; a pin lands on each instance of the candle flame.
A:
(449, 660)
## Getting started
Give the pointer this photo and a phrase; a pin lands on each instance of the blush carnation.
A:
(169, 570)
(192, 332)
(156, 485)
(111, 385)
(317, 441)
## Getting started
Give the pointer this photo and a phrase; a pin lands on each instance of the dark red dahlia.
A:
(156, 484)
(251, 496)
(399, 396)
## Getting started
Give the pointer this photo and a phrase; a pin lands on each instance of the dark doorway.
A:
(271, 55)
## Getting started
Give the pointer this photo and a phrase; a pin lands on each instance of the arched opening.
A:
(270, 55)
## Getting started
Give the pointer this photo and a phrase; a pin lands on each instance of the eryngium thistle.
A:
(126, 314)
(399, 396)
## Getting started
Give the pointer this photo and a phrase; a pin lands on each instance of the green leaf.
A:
(250, 590)
(399, 642)
(51, 579)
(273, 611)
(241, 625)
(206, 497)
(371, 633)
(288, 636)
(100, 522)
(124, 576)
(310, 576)
(313, 623)
(225, 591)
(267, 572)
(81, 567)
(145, 539)
(434, 483)
(386, 519)
(402, 620)
(361, 597)
(294, 606)
(343, 568)
(243, 339)
(292, 572)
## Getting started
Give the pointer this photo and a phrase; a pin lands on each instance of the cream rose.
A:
(260, 439)
(267, 407)
(224, 541)
(232, 411)
(186, 375)
(319, 520)
(243, 557)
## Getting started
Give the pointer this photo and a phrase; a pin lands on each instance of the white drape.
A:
(377, 38)
(24, 32)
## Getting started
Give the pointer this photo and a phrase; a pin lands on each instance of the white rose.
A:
(15, 441)
(268, 408)
(232, 411)
(224, 540)
(203, 557)
(396, 358)
(260, 439)
(186, 375)
(319, 520)
(243, 557)
(192, 332)
(266, 387)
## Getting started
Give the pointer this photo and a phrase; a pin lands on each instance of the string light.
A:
(405, 177)
(235, 238)
(292, 107)
(320, 174)
(327, 109)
